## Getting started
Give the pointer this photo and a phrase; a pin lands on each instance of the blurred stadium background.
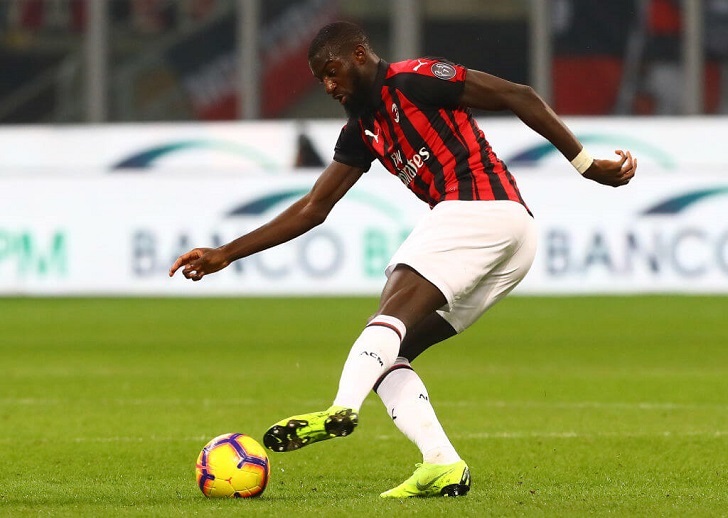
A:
(178, 60)
(117, 116)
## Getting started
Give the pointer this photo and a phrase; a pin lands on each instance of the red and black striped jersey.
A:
(416, 128)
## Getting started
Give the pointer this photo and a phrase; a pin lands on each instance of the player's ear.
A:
(360, 54)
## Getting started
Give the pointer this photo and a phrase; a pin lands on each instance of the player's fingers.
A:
(627, 161)
(191, 269)
(627, 175)
(620, 181)
(194, 276)
(184, 260)
(630, 166)
(176, 266)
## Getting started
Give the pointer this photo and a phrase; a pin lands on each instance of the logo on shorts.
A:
(443, 70)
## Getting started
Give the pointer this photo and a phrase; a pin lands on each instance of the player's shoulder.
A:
(433, 67)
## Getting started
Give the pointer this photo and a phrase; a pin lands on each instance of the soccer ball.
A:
(233, 465)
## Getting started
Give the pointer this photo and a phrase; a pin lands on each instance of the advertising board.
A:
(119, 234)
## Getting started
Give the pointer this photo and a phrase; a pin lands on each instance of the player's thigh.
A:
(409, 296)
(459, 242)
(495, 285)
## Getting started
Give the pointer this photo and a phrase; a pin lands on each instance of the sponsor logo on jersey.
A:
(443, 70)
(407, 170)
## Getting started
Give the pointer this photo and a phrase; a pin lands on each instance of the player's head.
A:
(337, 39)
(341, 58)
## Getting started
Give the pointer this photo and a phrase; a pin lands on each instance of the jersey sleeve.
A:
(432, 81)
(350, 148)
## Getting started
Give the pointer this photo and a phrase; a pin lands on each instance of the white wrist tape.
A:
(582, 161)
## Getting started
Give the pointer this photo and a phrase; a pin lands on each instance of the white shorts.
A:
(474, 252)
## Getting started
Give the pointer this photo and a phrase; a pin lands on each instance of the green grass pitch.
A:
(561, 406)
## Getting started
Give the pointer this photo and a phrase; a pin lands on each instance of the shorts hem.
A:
(430, 277)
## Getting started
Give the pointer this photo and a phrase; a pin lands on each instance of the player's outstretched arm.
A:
(303, 215)
(487, 92)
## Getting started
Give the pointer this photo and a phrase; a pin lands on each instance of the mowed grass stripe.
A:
(493, 404)
(456, 435)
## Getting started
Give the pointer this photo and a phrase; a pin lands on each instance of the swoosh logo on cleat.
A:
(425, 487)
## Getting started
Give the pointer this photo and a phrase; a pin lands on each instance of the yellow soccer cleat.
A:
(434, 480)
(301, 430)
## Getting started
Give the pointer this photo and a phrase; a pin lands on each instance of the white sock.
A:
(371, 355)
(408, 404)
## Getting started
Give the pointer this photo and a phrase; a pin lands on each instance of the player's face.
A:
(342, 80)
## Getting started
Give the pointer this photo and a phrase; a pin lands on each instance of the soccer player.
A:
(474, 246)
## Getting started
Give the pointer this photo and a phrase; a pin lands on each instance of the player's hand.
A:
(613, 172)
(199, 262)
